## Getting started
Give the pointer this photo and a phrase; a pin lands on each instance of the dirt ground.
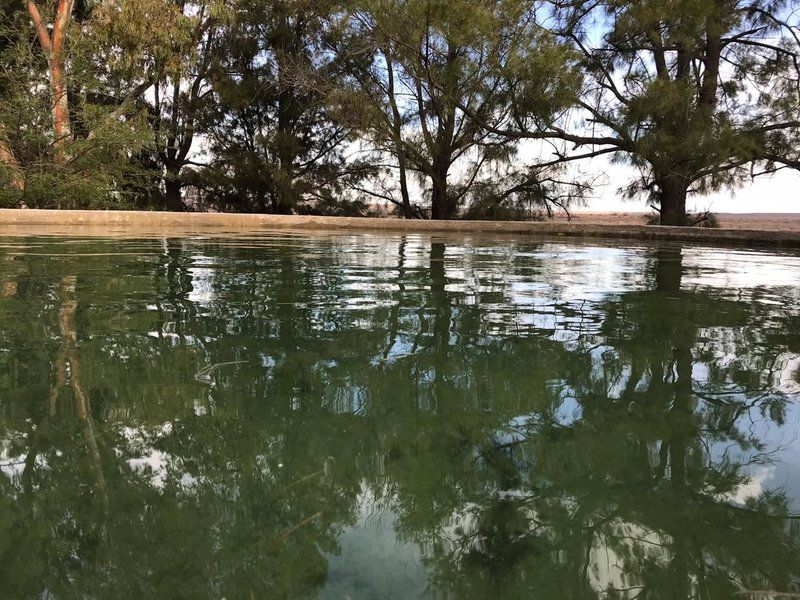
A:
(751, 221)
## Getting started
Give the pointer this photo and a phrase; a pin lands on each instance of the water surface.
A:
(387, 416)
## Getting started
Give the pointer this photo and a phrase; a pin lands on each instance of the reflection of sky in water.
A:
(781, 471)
(372, 562)
(561, 293)
(553, 289)
(735, 270)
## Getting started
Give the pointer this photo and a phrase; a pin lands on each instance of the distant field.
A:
(759, 221)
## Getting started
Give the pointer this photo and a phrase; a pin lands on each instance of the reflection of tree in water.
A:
(79, 530)
(629, 498)
(521, 465)
(196, 504)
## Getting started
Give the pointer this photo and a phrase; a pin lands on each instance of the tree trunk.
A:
(441, 207)
(674, 190)
(397, 135)
(707, 98)
(61, 125)
(408, 213)
(53, 48)
(285, 47)
(284, 199)
(172, 191)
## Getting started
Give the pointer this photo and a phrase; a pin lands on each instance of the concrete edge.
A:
(122, 222)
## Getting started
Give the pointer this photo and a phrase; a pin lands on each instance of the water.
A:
(397, 416)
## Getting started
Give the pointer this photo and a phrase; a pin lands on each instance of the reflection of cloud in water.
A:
(783, 470)
(786, 378)
(736, 270)
(153, 463)
(372, 560)
(754, 487)
(11, 465)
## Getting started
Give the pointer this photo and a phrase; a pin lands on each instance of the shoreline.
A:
(583, 225)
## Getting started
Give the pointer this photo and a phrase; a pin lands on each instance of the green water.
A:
(364, 416)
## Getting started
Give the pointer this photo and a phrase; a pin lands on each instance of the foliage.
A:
(93, 167)
(705, 219)
(423, 105)
(271, 139)
(696, 95)
(438, 66)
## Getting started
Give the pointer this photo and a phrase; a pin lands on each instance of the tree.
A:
(10, 168)
(695, 94)
(120, 28)
(293, 106)
(437, 84)
(94, 63)
(373, 107)
(274, 144)
(180, 97)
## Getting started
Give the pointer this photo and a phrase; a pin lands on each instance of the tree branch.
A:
(41, 28)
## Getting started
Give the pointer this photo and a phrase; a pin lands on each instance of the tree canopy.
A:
(440, 109)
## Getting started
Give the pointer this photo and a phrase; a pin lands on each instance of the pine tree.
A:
(696, 94)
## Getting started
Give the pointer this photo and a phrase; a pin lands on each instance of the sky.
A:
(779, 193)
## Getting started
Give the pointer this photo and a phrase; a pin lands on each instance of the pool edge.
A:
(121, 222)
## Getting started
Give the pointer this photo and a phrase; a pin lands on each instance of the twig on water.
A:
(204, 374)
(285, 535)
